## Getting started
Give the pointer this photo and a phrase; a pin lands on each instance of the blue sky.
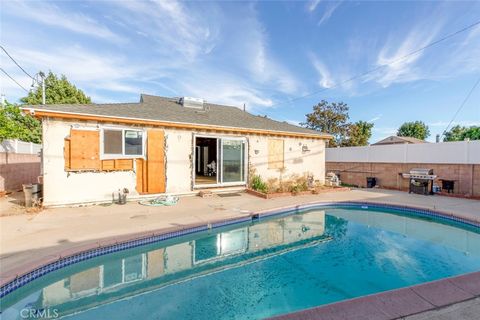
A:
(260, 53)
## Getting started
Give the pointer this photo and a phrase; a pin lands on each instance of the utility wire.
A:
(13, 80)
(383, 66)
(4, 50)
(461, 106)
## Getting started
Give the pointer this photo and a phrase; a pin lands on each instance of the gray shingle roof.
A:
(169, 110)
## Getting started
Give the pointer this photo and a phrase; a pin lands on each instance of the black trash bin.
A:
(371, 182)
(448, 185)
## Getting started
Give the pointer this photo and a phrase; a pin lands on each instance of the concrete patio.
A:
(30, 239)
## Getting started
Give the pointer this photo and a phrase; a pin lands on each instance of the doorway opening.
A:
(206, 161)
(219, 161)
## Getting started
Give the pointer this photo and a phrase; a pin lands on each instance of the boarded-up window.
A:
(275, 154)
(84, 150)
(117, 164)
(66, 153)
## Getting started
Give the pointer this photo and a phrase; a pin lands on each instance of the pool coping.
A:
(397, 303)
(35, 269)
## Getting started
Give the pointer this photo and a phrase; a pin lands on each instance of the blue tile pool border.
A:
(62, 262)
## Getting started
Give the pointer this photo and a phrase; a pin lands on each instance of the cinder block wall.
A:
(17, 169)
(466, 176)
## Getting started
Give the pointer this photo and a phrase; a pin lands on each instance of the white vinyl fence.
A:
(18, 146)
(459, 152)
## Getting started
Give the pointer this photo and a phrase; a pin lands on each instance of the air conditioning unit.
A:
(189, 102)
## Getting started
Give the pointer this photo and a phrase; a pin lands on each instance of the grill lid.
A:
(420, 173)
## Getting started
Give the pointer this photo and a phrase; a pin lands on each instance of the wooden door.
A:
(155, 161)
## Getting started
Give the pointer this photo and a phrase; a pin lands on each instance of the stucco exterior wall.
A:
(296, 161)
(61, 187)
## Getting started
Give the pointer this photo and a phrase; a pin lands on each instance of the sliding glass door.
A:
(225, 156)
(233, 154)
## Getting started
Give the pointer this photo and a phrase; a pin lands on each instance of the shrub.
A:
(298, 183)
(258, 184)
(273, 185)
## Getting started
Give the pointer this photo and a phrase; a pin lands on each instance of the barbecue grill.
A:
(421, 180)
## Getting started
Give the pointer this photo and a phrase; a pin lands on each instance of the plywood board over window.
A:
(275, 154)
(85, 150)
(141, 172)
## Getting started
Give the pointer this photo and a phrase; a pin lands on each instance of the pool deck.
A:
(30, 240)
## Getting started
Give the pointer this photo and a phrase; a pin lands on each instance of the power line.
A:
(4, 50)
(383, 66)
(13, 80)
(461, 106)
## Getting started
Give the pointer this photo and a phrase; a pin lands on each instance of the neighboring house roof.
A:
(399, 140)
(152, 109)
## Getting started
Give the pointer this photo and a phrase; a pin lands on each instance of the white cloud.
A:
(326, 80)
(263, 66)
(399, 69)
(398, 66)
(312, 5)
(195, 32)
(170, 49)
(228, 90)
(88, 70)
(464, 57)
(175, 26)
(52, 15)
(376, 118)
(328, 12)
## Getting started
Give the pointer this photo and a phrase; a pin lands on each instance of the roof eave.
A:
(39, 112)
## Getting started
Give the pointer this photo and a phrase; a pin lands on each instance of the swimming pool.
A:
(256, 269)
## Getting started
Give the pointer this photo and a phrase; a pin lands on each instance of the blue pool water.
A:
(256, 270)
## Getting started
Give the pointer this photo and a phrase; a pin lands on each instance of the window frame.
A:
(219, 138)
(108, 156)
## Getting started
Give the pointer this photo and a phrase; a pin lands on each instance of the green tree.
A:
(459, 133)
(14, 124)
(472, 133)
(329, 118)
(358, 134)
(455, 133)
(57, 91)
(416, 129)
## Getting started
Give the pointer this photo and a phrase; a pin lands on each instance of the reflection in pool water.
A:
(257, 270)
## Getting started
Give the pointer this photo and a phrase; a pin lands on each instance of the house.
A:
(398, 140)
(166, 145)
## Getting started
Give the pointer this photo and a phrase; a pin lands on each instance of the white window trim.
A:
(102, 275)
(104, 156)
